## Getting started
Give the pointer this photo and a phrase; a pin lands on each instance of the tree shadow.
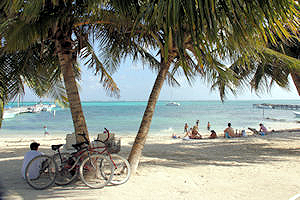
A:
(14, 186)
(219, 152)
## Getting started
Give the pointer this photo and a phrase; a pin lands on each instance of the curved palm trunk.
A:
(140, 139)
(296, 79)
(64, 51)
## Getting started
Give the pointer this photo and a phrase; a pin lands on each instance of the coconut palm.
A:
(190, 38)
(38, 71)
(206, 32)
(56, 22)
(273, 65)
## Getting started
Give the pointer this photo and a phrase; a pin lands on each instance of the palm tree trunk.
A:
(1, 111)
(136, 150)
(296, 79)
(64, 51)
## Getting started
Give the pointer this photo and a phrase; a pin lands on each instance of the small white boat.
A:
(173, 104)
(297, 113)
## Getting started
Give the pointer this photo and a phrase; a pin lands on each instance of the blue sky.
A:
(135, 82)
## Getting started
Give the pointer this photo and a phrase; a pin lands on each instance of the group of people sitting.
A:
(229, 132)
(193, 133)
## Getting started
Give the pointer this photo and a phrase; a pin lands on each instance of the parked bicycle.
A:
(122, 170)
(95, 170)
(108, 148)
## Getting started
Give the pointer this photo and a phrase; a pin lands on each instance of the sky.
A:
(135, 82)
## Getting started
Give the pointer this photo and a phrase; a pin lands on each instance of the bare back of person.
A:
(230, 131)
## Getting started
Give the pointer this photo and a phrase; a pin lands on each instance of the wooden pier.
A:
(277, 106)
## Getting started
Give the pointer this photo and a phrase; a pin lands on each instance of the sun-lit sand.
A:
(249, 168)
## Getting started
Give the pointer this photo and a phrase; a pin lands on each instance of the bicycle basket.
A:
(114, 145)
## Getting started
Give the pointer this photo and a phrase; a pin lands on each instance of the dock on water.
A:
(277, 106)
(12, 112)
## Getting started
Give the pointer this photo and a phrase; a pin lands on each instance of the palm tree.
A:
(56, 23)
(273, 65)
(38, 71)
(191, 39)
(205, 32)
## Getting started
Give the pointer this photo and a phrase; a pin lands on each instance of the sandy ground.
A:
(250, 168)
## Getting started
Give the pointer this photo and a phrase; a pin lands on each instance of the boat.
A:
(173, 104)
(296, 113)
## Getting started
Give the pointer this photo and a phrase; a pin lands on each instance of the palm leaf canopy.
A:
(197, 36)
(30, 22)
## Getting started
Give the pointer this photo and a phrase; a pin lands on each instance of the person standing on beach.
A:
(46, 131)
(185, 130)
(208, 126)
(197, 123)
(34, 171)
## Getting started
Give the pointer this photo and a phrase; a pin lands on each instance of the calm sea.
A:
(124, 118)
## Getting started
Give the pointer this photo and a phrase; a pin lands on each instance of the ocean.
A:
(123, 118)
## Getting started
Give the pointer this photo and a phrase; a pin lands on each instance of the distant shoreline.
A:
(213, 100)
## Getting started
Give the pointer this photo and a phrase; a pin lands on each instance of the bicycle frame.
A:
(80, 153)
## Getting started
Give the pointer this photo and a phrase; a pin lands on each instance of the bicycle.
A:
(95, 170)
(40, 172)
(70, 165)
(122, 170)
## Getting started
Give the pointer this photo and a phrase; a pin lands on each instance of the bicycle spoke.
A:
(40, 172)
(96, 171)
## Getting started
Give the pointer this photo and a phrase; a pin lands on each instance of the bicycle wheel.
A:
(91, 170)
(64, 174)
(122, 169)
(40, 172)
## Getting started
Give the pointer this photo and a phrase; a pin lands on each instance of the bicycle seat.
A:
(55, 147)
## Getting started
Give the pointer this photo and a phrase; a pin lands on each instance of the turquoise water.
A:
(124, 118)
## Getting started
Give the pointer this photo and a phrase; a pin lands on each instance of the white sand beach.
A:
(249, 168)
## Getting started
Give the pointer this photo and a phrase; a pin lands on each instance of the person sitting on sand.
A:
(195, 134)
(229, 132)
(33, 172)
(262, 130)
(213, 135)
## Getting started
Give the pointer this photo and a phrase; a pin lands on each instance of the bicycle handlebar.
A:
(87, 141)
(108, 134)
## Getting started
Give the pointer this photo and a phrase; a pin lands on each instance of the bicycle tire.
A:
(40, 173)
(93, 167)
(64, 175)
(122, 170)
